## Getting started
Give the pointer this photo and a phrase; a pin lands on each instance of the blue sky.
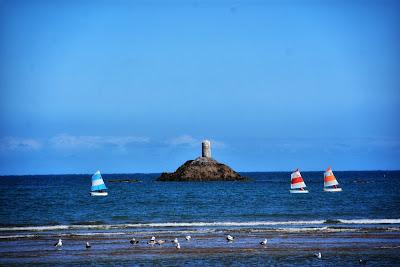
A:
(134, 86)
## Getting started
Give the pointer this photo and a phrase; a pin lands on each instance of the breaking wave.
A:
(198, 224)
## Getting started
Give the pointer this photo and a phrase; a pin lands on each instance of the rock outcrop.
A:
(202, 169)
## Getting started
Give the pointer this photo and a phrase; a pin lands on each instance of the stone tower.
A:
(206, 149)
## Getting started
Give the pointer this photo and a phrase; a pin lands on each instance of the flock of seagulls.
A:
(159, 242)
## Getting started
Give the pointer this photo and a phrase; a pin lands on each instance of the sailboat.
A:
(330, 182)
(98, 185)
(297, 183)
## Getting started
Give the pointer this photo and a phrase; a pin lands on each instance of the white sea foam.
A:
(17, 236)
(389, 247)
(370, 221)
(56, 227)
(318, 229)
(325, 229)
(95, 234)
(222, 224)
(181, 232)
(393, 229)
(290, 229)
(198, 224)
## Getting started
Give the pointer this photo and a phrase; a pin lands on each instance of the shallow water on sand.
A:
(282, 249)
(363, 221)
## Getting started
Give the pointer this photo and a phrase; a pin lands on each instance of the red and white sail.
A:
(329, 178)
(296, 180)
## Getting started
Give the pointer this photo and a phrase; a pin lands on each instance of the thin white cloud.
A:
(189, 140)
(184, 140)
(65, 141)
(16, 143)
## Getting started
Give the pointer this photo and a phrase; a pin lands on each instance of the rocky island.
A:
(203, 168)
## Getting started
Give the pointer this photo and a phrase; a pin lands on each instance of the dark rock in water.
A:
(332, 221)
(124, 181)
(202, 169)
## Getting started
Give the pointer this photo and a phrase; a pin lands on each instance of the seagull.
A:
(133, 241)
(175, 241)
(361, 261)
(152, 241)
(178, 246)
(318, 255)
(230, 238)
(264, 242)
(188, 237)
(88, 245)
(160, 242)
(58, 244)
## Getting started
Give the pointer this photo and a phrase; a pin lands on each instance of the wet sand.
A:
(339, 248)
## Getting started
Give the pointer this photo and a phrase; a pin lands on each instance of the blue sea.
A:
(361, 222)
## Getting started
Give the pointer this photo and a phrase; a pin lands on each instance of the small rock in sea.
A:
(202, 169)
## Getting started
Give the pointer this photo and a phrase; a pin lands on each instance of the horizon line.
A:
(106, 173)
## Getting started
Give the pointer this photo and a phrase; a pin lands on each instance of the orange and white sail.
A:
(296, 180)
(329, 178)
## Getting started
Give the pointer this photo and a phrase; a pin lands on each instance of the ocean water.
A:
(363, 221)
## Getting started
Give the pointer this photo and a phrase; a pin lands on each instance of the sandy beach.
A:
(344, 248)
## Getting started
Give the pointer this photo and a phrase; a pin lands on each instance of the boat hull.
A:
(99, 194)
(332, 189)
(298, 191)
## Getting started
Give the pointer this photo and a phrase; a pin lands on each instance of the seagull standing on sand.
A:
(361, 261)
(188, 237)
(230, 238)
(152, 240)
(178, 246)
(160, 242)
(175, 241)
(58, 244)
(133, 241)
(88, 245)
(264, 242)
(318, 255)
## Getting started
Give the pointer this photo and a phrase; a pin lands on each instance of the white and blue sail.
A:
(98, 183)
